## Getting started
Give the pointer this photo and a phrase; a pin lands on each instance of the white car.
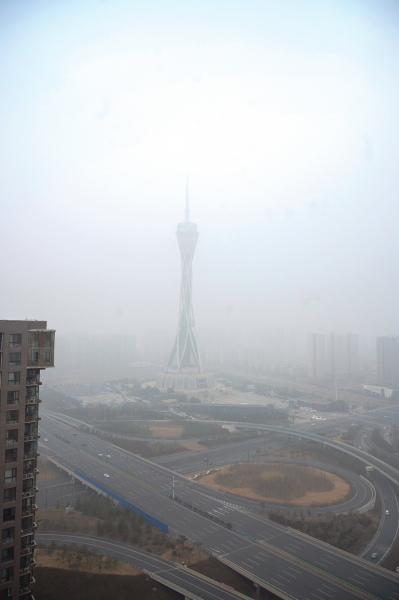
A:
(45, 439)
(106, 475)
(100, 455)
(108, 456)
(387, 512)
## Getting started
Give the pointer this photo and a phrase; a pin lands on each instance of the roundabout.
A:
(346, 491)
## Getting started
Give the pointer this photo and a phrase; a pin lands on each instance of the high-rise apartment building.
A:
(342, 355)
(388, 360)
(26, 347)
(316, 355)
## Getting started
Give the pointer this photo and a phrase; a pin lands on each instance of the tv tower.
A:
(184, 370)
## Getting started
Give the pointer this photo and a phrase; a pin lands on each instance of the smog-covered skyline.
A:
(284, 115)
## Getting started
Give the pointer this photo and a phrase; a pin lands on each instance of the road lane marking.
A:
(278, 582)
(358, 582)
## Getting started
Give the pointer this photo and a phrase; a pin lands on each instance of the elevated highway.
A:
(284, 561)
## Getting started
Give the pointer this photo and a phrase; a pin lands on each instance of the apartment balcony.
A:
(26, 588)
(29, 512)
(31, 454)
(29, 530)
(31, 437)
(28, 549)
(32, 400)
(30, 493)
(29, 474)
(33, 381)
(32, 418)
(26, 570)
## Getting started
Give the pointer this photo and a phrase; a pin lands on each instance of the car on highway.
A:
(106, 475)
(374, 555)
(387, 512)
(100, 455)
(108, 456)
(397, 569)
(45, 439)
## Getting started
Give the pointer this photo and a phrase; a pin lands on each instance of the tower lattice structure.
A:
(185, 355)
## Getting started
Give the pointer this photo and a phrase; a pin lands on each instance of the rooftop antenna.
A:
(187, 205)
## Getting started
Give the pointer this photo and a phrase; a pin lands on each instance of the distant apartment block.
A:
(388, 360)
(342, 355)
(316, 356)
(95, 351)
(26, 347)
(334, 355)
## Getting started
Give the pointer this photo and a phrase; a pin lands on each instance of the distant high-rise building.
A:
(342, 355)
(316, 356)
(26, 348)
(388, 360)
(184, 370)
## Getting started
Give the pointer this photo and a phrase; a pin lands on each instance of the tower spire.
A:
(187, 204)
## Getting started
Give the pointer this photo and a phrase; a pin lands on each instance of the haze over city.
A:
(284, 115)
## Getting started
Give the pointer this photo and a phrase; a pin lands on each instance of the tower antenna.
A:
(187, 204)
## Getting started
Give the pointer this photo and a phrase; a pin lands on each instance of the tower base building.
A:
(182, 382)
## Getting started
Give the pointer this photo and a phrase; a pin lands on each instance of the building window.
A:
(27, 503)
(13, 397)
(30, 428)
(7, 554)
(32, 391)
(10, 475)
(30, 449)
(12, 436)
(28, 484)
(31, 412)
(26, 541)
(12, 417)
(49, 337)
(47, 357)
(33, 374)
(11, 455)
(10, 494)
(7, 535)
(15, 339)
(26, 525)
(9, 514)
(14, 378)
(14, 359)
(29, 466)
(6, 575)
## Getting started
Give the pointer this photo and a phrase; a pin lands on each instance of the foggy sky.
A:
(284, 114)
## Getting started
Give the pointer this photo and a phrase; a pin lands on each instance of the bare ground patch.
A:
(165, 432)
(60, 560)
(191, 445)
(340, 491)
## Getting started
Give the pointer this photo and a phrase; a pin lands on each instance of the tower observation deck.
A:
(184, 370)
